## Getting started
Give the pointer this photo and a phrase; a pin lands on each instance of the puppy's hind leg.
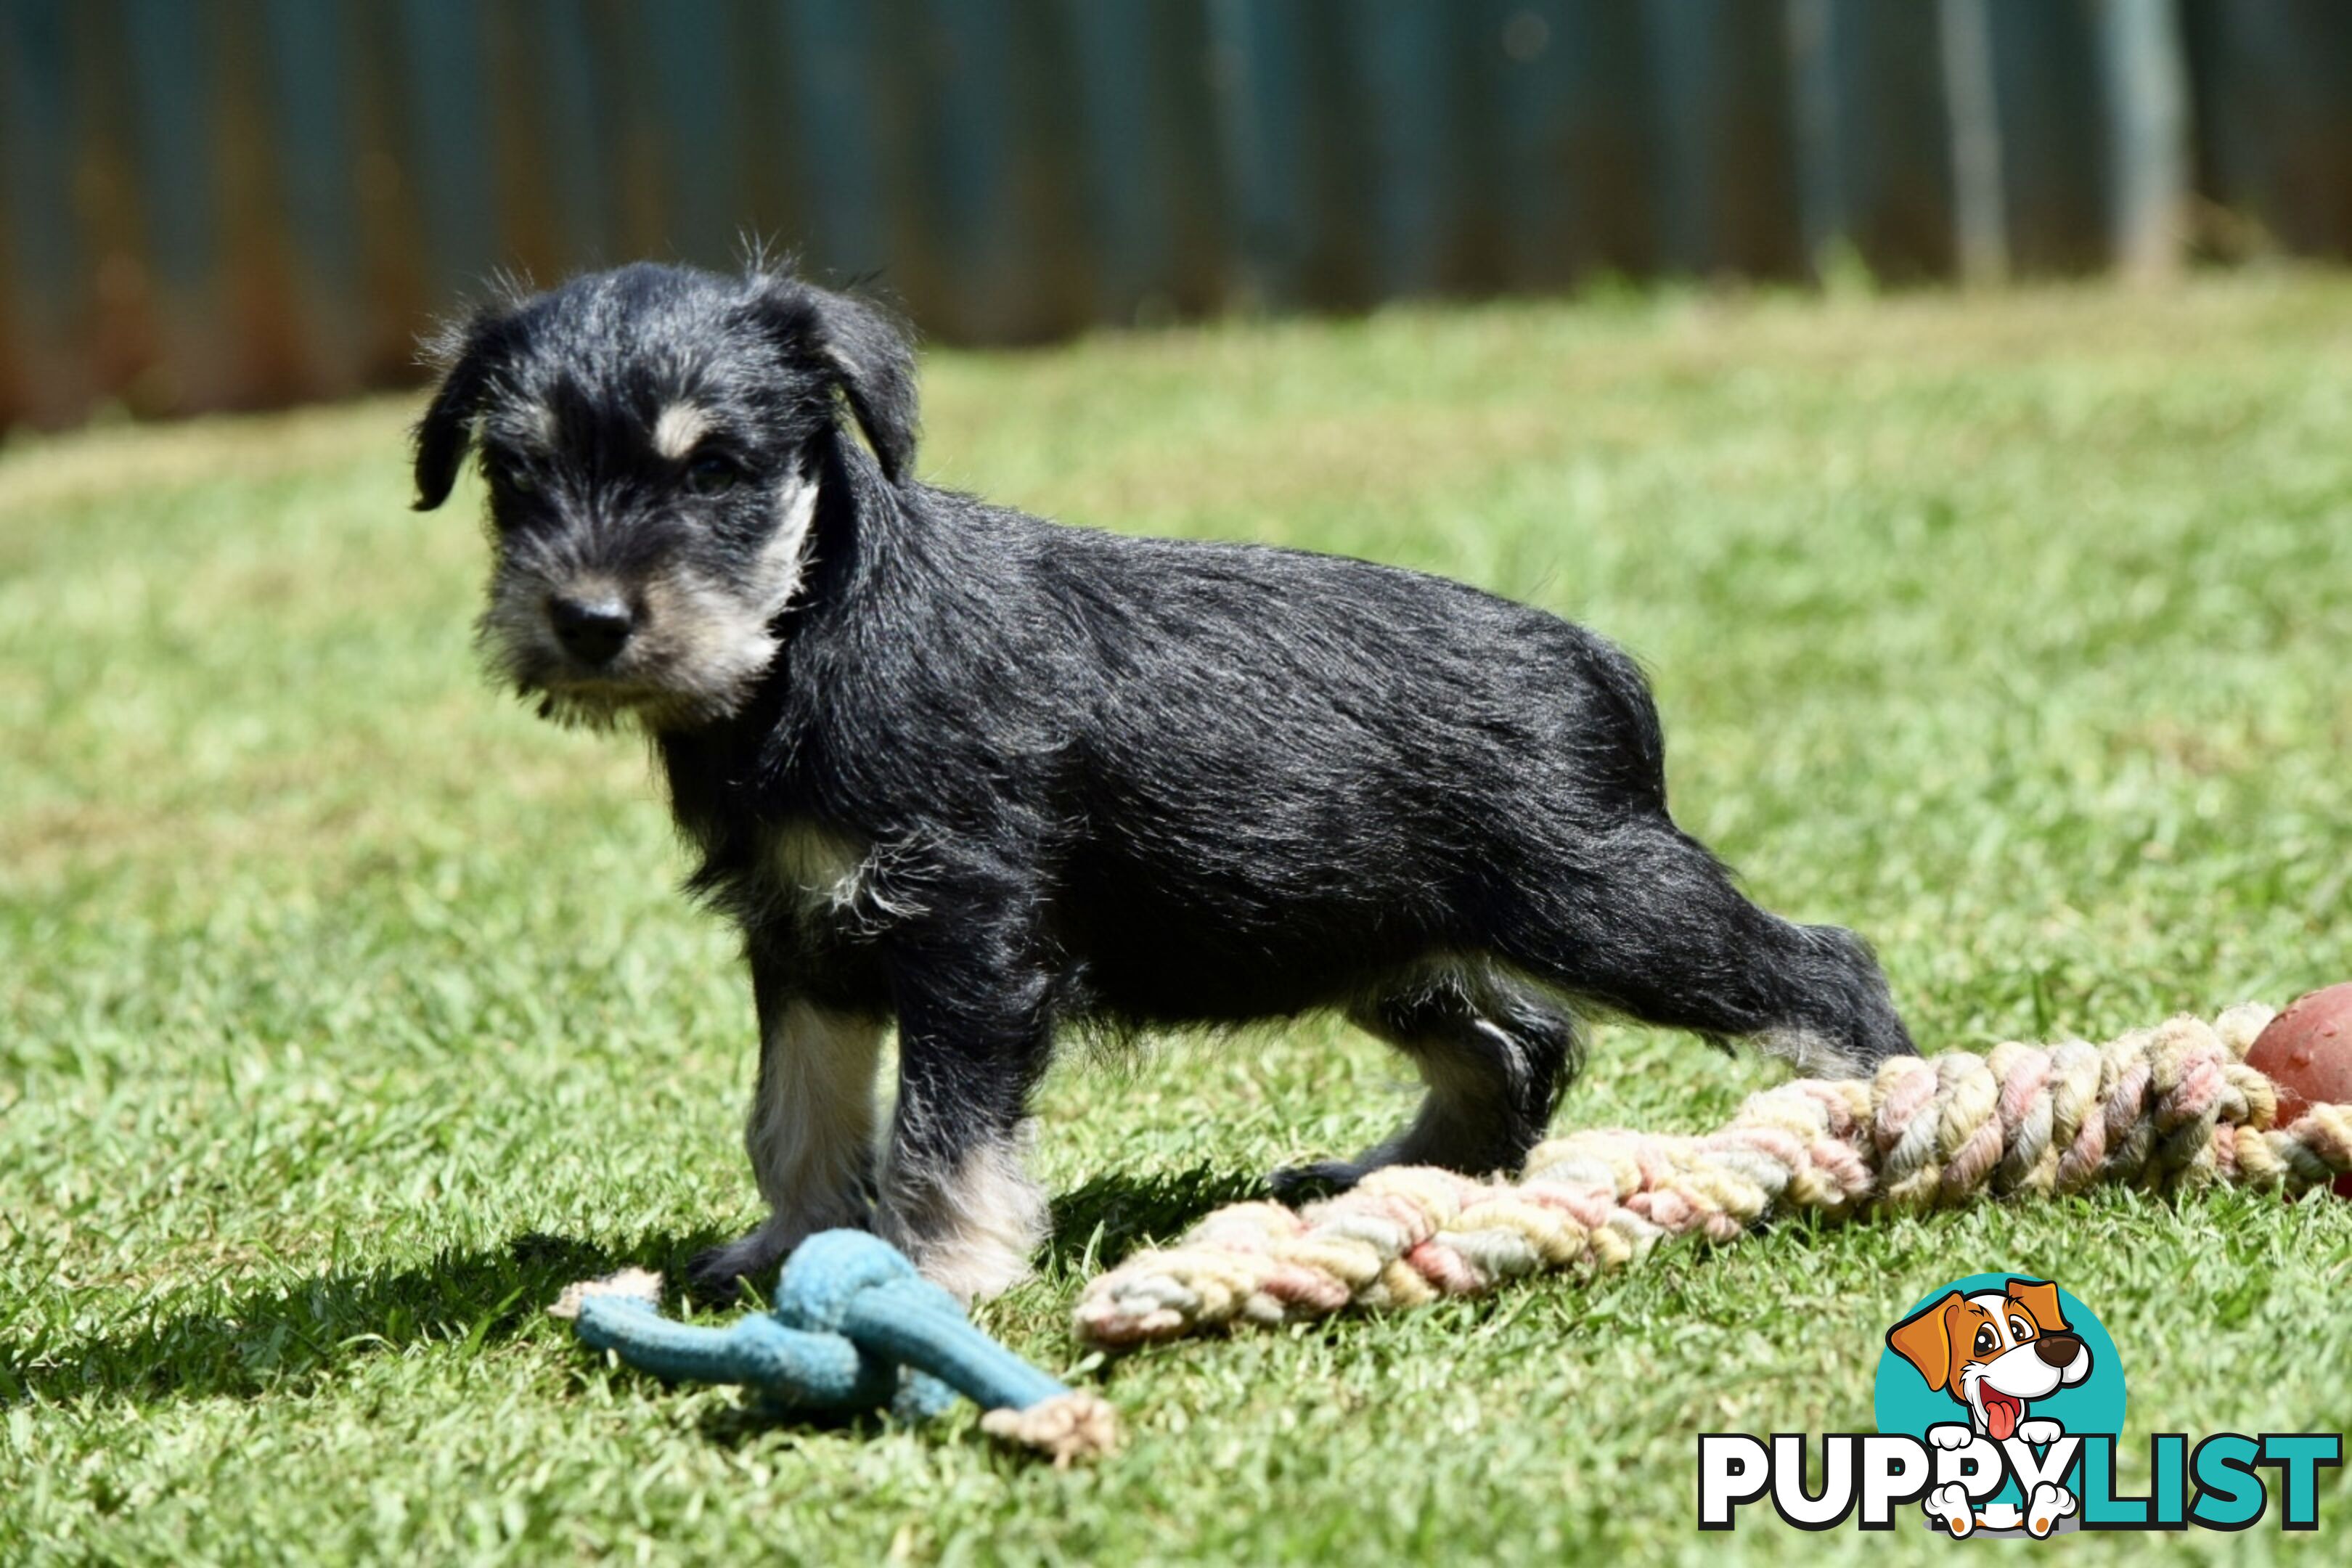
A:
(810, 1132)
(1495, 1057)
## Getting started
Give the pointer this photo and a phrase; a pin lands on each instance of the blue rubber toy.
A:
(853, 1328)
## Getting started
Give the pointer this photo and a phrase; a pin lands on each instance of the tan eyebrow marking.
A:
(679, 429)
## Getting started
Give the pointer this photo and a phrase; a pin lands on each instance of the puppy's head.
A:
(1994, 1351)
(653, 440)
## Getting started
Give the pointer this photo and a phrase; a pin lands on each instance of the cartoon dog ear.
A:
(869, 356)
(1924, 1340)
(464, 352)
(2040, 1299)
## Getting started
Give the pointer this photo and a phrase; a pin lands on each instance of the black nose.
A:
(591, 629)
(2058, 1350)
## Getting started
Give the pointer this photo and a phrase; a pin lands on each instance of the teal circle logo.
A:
(1905, 1402)
(1999, 1356)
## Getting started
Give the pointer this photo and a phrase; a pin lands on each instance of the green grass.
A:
(346, 1011)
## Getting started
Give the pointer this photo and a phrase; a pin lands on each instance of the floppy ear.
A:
(2040, 1299)
(447, 428)
(869, 357)
(1925, 1340)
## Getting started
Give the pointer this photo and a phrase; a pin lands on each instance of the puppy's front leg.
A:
(810, 1132)
(954, 1197)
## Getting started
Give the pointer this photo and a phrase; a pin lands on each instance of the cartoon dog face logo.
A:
(1994, 1351)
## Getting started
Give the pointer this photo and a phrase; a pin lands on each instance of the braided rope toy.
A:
(2167, 1108)
(854, 1329)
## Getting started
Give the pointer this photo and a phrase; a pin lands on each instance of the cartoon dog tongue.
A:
(2000, 1414)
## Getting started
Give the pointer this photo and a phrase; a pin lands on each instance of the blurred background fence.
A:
(232, 203)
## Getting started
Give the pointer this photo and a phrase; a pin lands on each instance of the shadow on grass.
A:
(1115, 1215)
(278, 1338)
(269, 1339)
(747, 1420)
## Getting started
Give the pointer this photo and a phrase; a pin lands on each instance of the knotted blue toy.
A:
(853, 1328)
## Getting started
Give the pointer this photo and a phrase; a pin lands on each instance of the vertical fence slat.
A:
(446, 142)
(686, 52)
(1979, 200)
(1724, 127)
(824, 50)
(1477, 164)
(771, 204)
(1259, 55)
(1902, 177)
(1530, 82)
(1822, 115)
(574, 124)
(1679, 48)
(173, 163)
(2147, 141)
(552, 146)
(125, 321)
(267, 351)
(1875, 133)
(1185, 69)
(1054, 258)
(2051, 99)
(169, 98)
(1403, 50)
(307, 48)
(1339, 264)
(515, 56)
(47, 266)
(1131, 209)
(964, 58)
(1611, 168)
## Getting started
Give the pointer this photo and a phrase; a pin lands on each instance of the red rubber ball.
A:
(2307, 1052)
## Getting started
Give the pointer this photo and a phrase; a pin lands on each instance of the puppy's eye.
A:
(2019, 1329)
(517, 477)
(1985, 1341)
(711, 476)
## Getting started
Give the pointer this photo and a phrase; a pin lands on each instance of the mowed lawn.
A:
(347, 1012)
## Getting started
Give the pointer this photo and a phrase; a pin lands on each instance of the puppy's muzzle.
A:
(593, 628)
(2058, 1350)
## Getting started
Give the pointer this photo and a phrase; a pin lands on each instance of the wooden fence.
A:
(225, 203)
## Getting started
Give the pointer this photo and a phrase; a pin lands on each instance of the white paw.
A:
(2046, 1507)
(1949, 1505)
(2040, 1434)
(974, 1271)
(973, 1238)
(1953, 1435)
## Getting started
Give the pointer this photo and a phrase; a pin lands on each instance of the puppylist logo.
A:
(1998, 1402)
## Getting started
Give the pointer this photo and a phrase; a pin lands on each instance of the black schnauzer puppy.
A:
(980, 775)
